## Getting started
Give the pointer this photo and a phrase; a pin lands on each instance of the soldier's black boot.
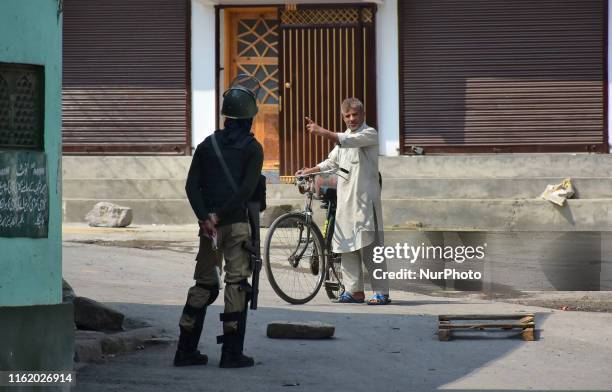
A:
(231, 356)
(185, 358)
(233, 343)
(187, 352)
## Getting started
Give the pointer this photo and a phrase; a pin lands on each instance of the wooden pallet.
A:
(481, 322)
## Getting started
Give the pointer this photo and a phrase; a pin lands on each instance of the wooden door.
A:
(251, 47)
(327, 54)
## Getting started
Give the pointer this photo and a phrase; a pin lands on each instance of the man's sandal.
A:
(347, 298)
(379, 299)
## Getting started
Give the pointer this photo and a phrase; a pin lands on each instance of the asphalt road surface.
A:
(375, 348)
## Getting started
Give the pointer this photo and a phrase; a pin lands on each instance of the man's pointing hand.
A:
(313, 128)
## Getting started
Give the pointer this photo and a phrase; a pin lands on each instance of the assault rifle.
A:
(254, 249)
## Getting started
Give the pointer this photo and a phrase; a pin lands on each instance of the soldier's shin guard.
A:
(192, 322)
(233, 338)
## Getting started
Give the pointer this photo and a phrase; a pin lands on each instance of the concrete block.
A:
(145, 211)
(106, 214)
(299, 330)
(92, 315)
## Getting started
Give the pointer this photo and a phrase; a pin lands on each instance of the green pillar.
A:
(37, 329)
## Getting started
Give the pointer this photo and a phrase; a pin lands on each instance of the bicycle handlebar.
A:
(330, 171)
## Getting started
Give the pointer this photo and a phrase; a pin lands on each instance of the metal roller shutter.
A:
(126, 76)
(502, 76)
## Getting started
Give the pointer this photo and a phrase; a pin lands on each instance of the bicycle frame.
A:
(295, 257)
(328, 234)
(306, 236)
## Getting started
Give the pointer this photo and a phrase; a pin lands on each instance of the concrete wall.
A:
(513, 261)
(202, 70)
(30, 269)
(387, 74)
(37, 338)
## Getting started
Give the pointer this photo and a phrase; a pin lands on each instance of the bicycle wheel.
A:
(333, 279)
(294, 258)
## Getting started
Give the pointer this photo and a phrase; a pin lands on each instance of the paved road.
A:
(391, 348)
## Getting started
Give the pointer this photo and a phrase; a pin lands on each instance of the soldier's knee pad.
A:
(237, 295)
(212, 290)
(198, 299)
(202, 295)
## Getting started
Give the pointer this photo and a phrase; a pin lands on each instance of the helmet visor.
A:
(248, 83)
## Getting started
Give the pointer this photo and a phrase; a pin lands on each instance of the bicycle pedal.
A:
(332, 285)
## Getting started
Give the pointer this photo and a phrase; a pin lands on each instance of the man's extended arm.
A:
(364, 138)
(330, 163)
(247, 187)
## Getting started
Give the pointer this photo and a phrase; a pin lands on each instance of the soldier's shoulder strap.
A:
(226, 170)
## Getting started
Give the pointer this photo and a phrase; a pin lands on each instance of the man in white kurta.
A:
(359, 213)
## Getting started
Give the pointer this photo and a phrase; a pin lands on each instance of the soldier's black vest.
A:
(235, 145)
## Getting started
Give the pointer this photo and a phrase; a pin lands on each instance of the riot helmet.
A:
(240, 99)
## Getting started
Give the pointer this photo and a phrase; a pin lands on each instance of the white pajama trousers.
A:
(352, 273)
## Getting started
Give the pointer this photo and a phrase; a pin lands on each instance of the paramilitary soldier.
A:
(219, 204)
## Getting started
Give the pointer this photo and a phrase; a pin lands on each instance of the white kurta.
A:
(359, 211)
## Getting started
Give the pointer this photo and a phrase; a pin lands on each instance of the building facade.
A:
(446, 76)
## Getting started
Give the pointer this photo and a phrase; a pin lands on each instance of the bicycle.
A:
(297, 255)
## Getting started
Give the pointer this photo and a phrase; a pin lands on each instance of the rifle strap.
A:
(226, 170)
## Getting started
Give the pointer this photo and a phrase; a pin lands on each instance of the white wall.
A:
(387, 77)
(202, 71)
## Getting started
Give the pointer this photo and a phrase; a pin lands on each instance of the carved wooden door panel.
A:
(252, 48)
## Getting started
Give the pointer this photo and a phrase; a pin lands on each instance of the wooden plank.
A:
(486, 325)
(523, 321)
(517, 316)
(528, 334)
(444, 335)
(527, 319)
